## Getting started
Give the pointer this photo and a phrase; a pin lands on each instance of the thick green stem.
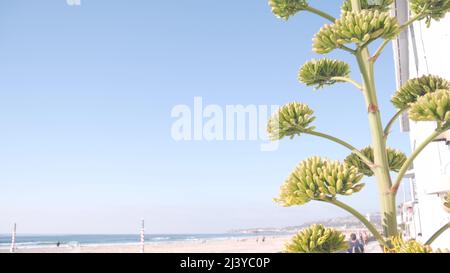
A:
(320, 13)
(381, 170)
(361, 218)
(438, 233)
(413, 156)
(356, 5)
(343, 143)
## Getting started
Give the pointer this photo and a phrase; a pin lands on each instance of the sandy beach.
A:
(271, 244)
(160, 243)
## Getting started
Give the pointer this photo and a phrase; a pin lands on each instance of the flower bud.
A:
(321, 72)
(432, 9)
(291, 119)
(287, 8)
(417, 87)
(396, 159)
(399, 245)
(356, 27)
(432, 107)
(317, 239)
(318, 179)
(381, 5)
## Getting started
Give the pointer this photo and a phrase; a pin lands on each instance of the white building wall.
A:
(429, 53)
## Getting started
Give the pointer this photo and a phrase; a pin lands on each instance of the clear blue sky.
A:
(85, 100)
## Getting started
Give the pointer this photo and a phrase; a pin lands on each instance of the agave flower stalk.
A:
(425, 99)
(387, 198)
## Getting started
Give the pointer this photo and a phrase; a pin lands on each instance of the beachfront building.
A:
(421, 51)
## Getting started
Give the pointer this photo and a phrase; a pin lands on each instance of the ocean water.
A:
(36, 241)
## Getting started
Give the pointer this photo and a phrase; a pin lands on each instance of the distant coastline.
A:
(342, 223)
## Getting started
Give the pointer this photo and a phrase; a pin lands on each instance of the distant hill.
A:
(348, 222)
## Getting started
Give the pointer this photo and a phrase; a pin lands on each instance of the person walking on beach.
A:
(365, 238)
(354, 245)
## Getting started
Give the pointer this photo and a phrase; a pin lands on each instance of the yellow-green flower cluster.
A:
(432, 107)
(355, 27)
(381, 5)
(319, 179)
(290, 120)
(396, 159)
(447, 200)
(431, 9)
(287, 8)
(417, 87)
(317, 239)
(321, 72)
(399, 245)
